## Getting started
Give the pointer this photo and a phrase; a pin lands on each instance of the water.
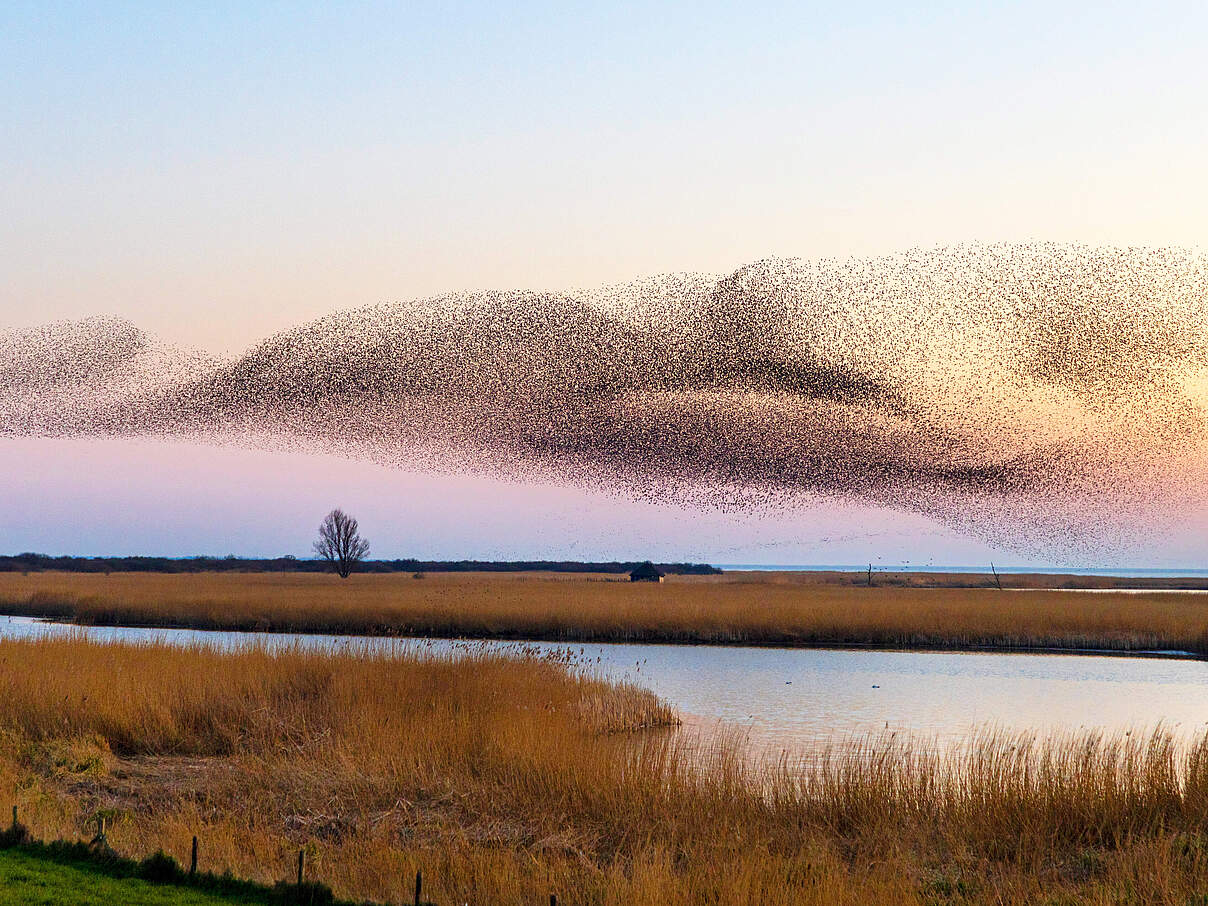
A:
(1128, 572)
(794, 698)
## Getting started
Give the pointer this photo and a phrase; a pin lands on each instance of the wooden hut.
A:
(647, 572)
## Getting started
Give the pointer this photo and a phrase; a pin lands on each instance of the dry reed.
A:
(505, 778)
(744, 611)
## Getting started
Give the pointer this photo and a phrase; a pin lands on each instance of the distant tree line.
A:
(29, 562)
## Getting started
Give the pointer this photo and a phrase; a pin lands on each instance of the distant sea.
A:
(1126, 572)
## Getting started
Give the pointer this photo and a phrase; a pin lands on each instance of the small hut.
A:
(647, 572)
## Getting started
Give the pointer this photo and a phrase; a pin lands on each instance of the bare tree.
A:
(340, 544)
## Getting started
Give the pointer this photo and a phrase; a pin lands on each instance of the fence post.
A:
(193, 859)
(301, 856)
(419, 886)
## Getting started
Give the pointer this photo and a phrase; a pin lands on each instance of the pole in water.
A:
(193, 859)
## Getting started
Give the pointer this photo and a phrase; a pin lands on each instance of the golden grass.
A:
(506, 778)
(743, 610)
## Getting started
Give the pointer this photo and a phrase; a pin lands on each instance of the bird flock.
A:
(1038, 396)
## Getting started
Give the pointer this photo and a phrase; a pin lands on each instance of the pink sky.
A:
(216, 173)
(108, 496)
(117, 496)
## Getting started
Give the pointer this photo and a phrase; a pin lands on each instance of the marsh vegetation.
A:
(504, 778)
(750, 609)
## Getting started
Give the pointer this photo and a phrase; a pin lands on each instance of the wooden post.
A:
(301, 857)
(193, 859)
(100, 839)
(997, 580)
(419, 886)
(553, 899)
(870, 575)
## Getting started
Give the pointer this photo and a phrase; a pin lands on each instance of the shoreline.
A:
(735, 611)
(522, 639)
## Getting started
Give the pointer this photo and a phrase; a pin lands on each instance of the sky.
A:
(217, 172)
(178, 499)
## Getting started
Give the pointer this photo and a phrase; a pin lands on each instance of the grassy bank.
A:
(752, 609)
(79, 874)
(504, 779)
(27, 879)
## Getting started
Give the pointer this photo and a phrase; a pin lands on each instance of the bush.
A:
(14, 835)
(160, 867)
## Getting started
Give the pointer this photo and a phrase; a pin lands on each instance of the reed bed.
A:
(506, 778)
(745, 610)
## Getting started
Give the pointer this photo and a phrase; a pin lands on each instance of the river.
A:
(795, 697)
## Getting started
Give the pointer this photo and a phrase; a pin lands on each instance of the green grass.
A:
(30, 880)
